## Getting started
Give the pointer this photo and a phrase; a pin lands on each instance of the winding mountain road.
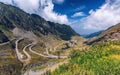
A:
(49, 55)
(19, 55)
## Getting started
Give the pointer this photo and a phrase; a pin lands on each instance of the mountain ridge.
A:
(110, 34)
(93, 34)
(12, 17)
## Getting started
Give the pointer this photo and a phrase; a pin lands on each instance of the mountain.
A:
(111, 34)
(92, 34)
(21, 32)
(12, 17)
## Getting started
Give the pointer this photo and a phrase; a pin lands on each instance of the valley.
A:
(59, 59)
(49, 56)
(32, 45)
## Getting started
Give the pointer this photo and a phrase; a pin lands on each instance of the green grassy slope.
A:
(101, 59)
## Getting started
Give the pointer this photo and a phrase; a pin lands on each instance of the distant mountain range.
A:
(92, 35)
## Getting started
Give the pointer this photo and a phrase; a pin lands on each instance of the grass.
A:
(103, 59)
(9, 62)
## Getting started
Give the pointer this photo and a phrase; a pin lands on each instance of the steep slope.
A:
(103, 59)
(3, 38)
(12, 17)
(112, 33)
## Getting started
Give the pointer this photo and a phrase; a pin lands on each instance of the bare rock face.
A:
(24, 34)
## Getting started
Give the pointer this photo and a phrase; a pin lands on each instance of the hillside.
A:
(27, 40)
(111, 34)
(12, 17)
(3, 38)
(101, 59)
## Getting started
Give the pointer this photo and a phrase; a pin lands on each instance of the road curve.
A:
(49, 56)
(30, 48)
(24, 51)
(55, 56)
(19, 55)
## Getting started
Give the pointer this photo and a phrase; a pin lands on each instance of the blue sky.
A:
(69, 7)
(84, 16)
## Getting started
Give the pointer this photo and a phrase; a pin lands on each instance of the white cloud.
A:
(106, 16)
(6, 1)
(78, 14)
(29, 6)
(48, 13)
(44, 8)
(58, 1)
